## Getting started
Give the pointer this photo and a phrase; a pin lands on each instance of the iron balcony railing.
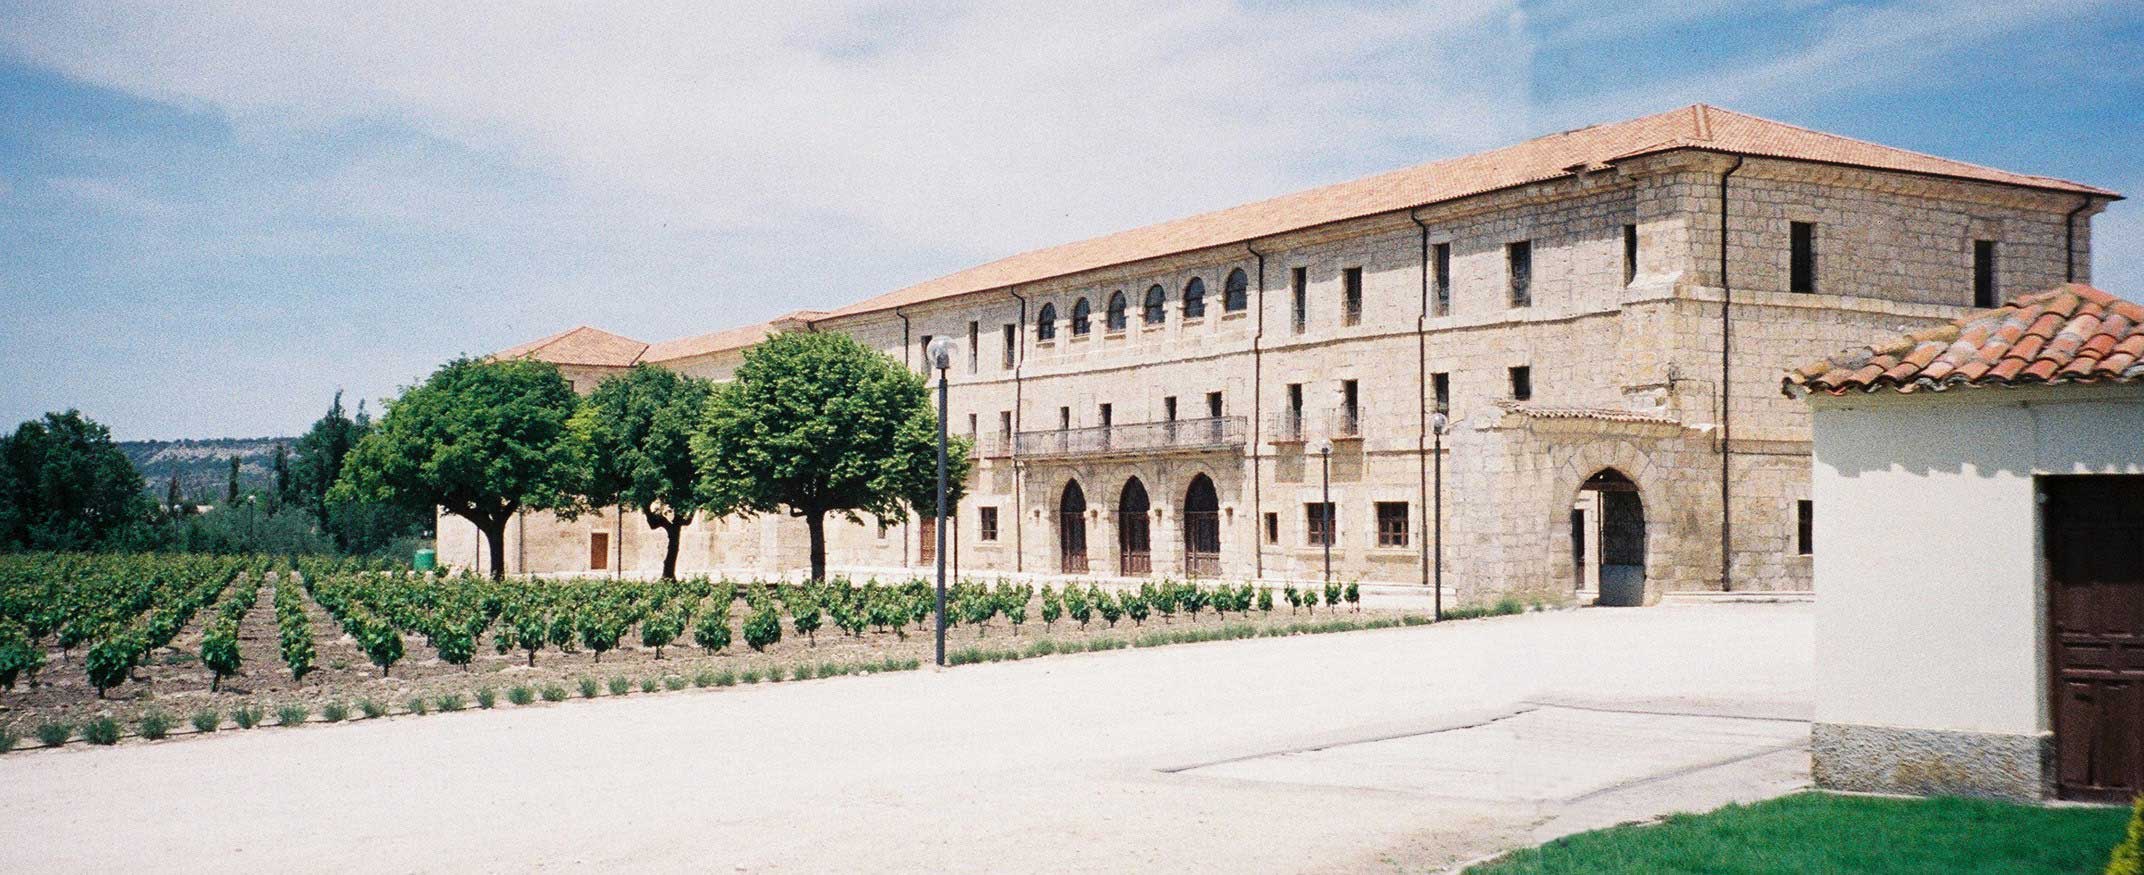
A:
(1339, 424)
(1215, 433)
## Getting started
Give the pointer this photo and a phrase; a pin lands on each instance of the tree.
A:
(230, 489)
(283, 485)
(633, 448)
(817, 424)
(481, 439)
(318, 459)
(64, 485)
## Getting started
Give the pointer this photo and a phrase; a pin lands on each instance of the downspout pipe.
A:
(1258, 334)
(905, 353)
(1727, 514)
(1019, 365)
(2069, 241)
(1421, 398)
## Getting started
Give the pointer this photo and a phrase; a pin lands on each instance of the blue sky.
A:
(215, 216)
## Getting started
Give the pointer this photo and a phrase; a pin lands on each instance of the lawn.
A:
(1815, 832)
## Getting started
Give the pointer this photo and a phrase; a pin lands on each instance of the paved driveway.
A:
(1392, 750)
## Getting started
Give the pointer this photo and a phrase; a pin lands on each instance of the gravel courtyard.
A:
(1384, 751)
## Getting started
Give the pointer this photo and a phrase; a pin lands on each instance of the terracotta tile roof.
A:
(579, 346)
(1550, 157)
(1602, 414)
(2068, 334)
(707, 344)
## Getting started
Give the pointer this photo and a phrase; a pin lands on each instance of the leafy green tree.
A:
(283, 482)
(230, 488)
(64, 485)
(633, 448)
(317, 462)
(481, 439)
(819, 424)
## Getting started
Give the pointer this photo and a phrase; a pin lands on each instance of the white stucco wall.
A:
(1931, 611)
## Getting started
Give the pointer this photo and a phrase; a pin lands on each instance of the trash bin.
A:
(425, 560)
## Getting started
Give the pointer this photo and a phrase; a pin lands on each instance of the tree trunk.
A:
(495, 538)
(815, 523)
(676, 532)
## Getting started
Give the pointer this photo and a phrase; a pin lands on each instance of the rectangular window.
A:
(975, 345)
(1319, 522)
(1108, 415)
(1440, 256)
(1064, 418)
(1292, 427)
(1801, 267)
(1213, 405)
(1804, 521)
(987, 519)
(1392, 524)
(1630, 254)
(1519, 258)
(972, 429)
(924, 346)
(1984, 273)
(1272, 527)
(1168, 409)
(1299, 298)
(1005, 432)
(1012, 346)
(1522, 383)
(1440, 388)
(1350, 424)
(1351, 296)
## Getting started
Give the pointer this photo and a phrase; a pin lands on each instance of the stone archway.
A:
(1135, 551)
(1202, 528)
(1072, 529)
(1618, 530)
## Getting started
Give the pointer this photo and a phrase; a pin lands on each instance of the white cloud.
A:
(975, 129)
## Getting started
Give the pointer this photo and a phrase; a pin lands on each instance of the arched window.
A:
(1236, 292)
(1157, 305)
(1195, 298)
(1082, 315)
(1202, 529)
(1114, 316)
(1046, 322)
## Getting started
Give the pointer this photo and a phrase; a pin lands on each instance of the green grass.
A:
(1815, 832)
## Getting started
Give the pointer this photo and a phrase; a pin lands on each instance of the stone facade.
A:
(1626, 376)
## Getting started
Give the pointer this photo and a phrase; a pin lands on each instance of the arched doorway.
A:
(1202, 529)
(1072, 529)
(1135, 554)
(1615, 528)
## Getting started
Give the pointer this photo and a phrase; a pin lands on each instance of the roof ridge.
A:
(1875, 145)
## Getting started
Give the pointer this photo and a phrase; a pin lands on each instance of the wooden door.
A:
(2093, 527)
(598, 551)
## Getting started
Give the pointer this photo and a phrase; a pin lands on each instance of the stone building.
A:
(1155, 401)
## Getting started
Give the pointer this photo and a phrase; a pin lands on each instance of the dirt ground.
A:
(173, 681)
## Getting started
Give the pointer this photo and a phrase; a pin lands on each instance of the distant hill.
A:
(204, 466)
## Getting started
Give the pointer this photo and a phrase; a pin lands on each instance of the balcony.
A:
(1184, 435)
(1338, 424)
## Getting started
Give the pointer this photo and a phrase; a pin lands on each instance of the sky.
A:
(213, 216)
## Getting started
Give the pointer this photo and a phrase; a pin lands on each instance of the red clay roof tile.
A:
(2070, 333)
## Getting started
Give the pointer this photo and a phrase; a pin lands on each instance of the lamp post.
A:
(1437, 425)
(1325, 504)
(941, 355)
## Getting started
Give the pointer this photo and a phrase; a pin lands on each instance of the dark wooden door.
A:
(598, 551)
(2094, 532)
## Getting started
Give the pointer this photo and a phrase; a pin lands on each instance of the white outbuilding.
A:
(1978, 525)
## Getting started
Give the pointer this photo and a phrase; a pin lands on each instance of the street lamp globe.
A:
(1324, 447)
(1438, 422)
(941, 352)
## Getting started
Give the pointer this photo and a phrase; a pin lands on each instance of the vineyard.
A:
(88, 642)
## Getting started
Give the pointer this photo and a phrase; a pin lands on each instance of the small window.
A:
(1114, 318)
(972, 432)
(975, 346)
(987, 519)
(1272, 527)
(1108, 415)
(1440, 259)
(1630, 254)
(1984, 291)
(1440, 387)
(1046, 322)
(1801, 267)
(1350, 418)
(1005, 426)
(1292, 427)
(1392, 524)
(1195, 299)
(1064, 418)
(1299, 298)
(1519, 257)
(1236, 291)
(1319, 523)
(1012, 346)
(1168, 409)
(1082, 317)
(923, 345)
(1157, 305)
(1522, 383)
(1804, 533)
(1351, 296)
(1213, 405)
